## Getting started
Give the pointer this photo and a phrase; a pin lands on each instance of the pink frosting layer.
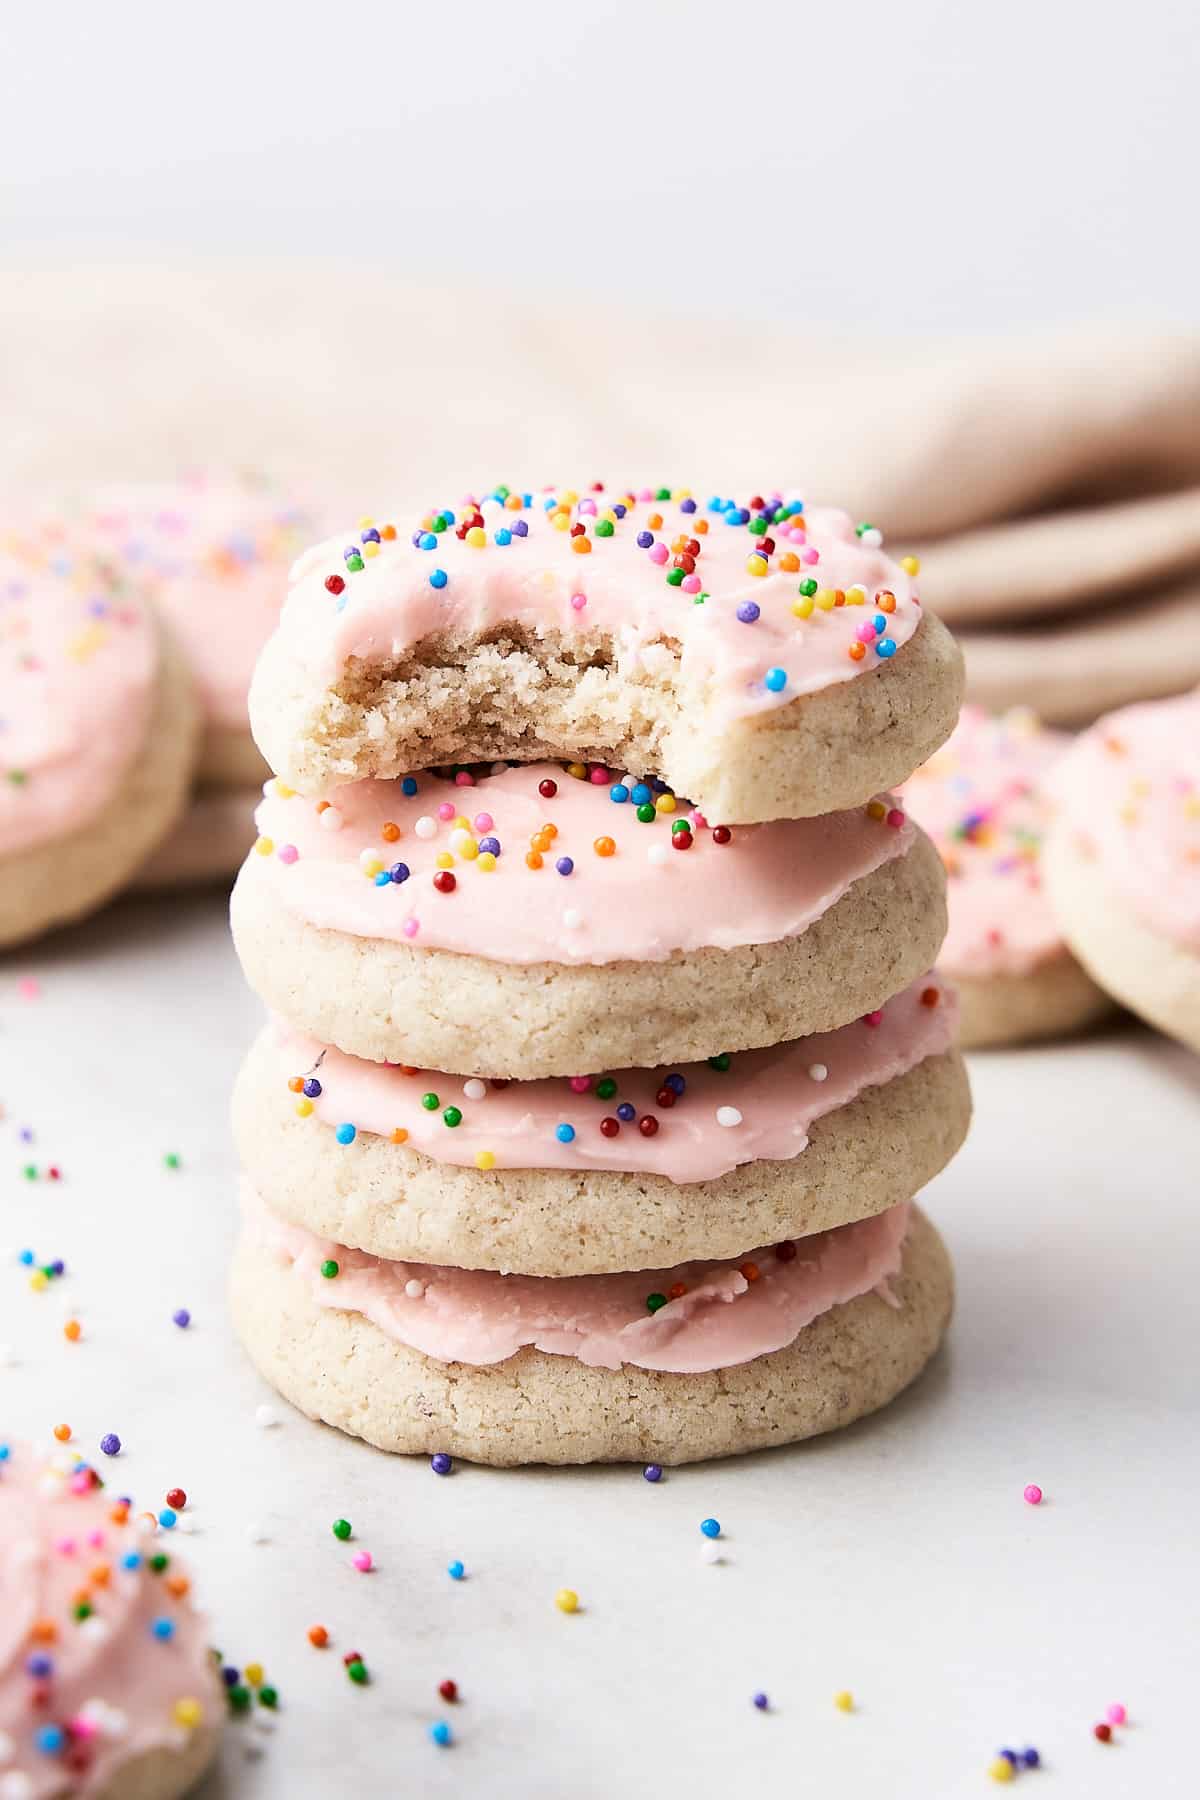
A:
(540, 581)
(215, 553)
(982, 800)
(1130, 795)
(78, 666)
(730, 1312)
(760, 1108)
(639, 903)
(112, 1684)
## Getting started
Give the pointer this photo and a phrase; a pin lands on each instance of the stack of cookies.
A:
(605, 1055)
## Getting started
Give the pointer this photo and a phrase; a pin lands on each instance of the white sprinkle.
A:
(95, 1629)
(425, 827)
(7, 1748)
(872, 537)
(460, 836)
(265, 1417)
(415, 1290)
(475, 1089)
(331, 819)
(711, 1552)
(16, 1786)
(367, 857)
(657, 854)
(818, 1072)
(728, 1115)
(572, 919)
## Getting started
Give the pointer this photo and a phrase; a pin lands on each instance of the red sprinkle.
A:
(1103, 1732)
(648, 1125)
(444, 882)
(448, 1690)
(609, 1127)
(334, 583)
(547, 789)
(176, 1499)
(721, 834)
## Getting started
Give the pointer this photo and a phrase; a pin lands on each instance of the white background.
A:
(922, 167)
(898, 1559)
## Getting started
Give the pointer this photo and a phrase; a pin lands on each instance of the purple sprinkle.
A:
(399, 872)
(564, 865)
(645, 539)
(520, 529)
(748, 612)
(39, 1666)
(110, 1443)
(312, 1088)
(182, 1318)
(652, 1472)
(490, 843)
(441, 1464)
(761, 1701)
(230, 1676)
(687, 506)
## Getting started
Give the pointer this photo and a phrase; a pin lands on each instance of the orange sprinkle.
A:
(789, 561)
(700, 527)
(73, 1330)
(98, 1576)
(551, 831)
(582, 546)
(886, 601)
(930, 996)
(839, 596)
(178, 1586)
(399, 1136)
(43, 1631)
(533, 859)
(318, 1637)
(750, 1271)
(295, 1083)
(676, 1291)
(604, 846)
(119, 1513)
(406, 1068)
(388, 532)
(389, 832)
(323, 805)
(655, 521)
(856, 651)
(62, 1433)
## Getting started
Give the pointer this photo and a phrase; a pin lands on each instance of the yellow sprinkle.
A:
(484, 860)
(756, 565)
(445, 860)
(1001, 1769)
(371, 549)
(303, 1108)
(365, 524)
(566, 1600)
(802, 608)
(876, 809)
(844, 1701)
(569, 498)
(578, 770)
(281, 790)
(372, 869)
(485, 1159)
(462, 823)
(611, 516)
(469, 850)
(856, 596)
(39, 1280)
(666, 803)
(477, 537)
(561, 521)
(912, 566)
(187, 1712)
(824, 598)
(264, 845)
(254, 1674)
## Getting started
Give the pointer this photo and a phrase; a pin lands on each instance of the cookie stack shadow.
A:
(586, 1126)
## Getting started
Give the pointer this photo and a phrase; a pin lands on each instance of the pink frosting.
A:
(541, 582)
(730, 1312)
(215, 553)
(113, 1685)
(640, 903)
(78, 666)
(982, 800)
(1130, 796)
(776, 1095)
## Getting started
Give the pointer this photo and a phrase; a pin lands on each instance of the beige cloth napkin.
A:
(1052, 487)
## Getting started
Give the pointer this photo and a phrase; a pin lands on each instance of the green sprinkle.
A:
(17, 777)
(341, 1529)
(268, 1696)
(354, 564)
(863, 525)
(604, 528)
(606, 1089)
(647, 813)
(329, 1269)
(808, 587)
(430, 1102)
(758, 527)
(675, 578)
(239, 1699)
(357, 1671)
(654, 1301)
(678, 825)
(83, 1611)
(699, 599)
(452, 1117)
(158, 1562)
(171, 1160)
(720, 1063)
(663, 494)
(29, 1172)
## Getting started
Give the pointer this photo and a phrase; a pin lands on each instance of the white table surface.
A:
(898, 1559)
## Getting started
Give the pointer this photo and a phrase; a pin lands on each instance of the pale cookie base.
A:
(208, 844)
(437, 1009)
(536, 1408)
(1056, 998)
(389, 1200)
(167, 1774)
(1158, 980)
(230, 759)
(512, 695)
(70, 877)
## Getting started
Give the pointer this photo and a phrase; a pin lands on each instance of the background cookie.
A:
(983, 799)
(98, 736)
(206, 844)
(766, 662)
(889, 1105)
(536, 1407)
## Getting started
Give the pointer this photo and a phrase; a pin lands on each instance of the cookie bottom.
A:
(1055, 999)
(164, 1774)
(539, 1408)
(1155, 978)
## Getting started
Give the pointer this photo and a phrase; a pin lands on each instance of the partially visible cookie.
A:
(641, 1169)
(608, 1372)
(525, 924)
(767, 661)
(1123, 866)
(983, 799)
(107, 1683)
(98, 734)
(206, 844)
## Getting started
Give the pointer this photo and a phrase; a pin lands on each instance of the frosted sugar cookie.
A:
(768, 661)
(206, 844)
(98, 731)
(669, 1366)
(1123, 865)
(639, 1169)
(107, 1683)
(983, 799)
(526, 923)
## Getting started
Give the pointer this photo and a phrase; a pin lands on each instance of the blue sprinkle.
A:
(676, 1083)
(447, 515)
(687, 506)
(50, 1739)
(456, 1571)
(626, 1112)
(775, 680)
(382, 879)
(345, 1134)
(440, 1463)
(716, 504)
(620, 509)
(1031, 1758)
(880, 622)
(26, 1257)
(441, 1733)
(132, 1560)
(39, 1666)
(565, 1133)
(504, 535)
(408, 786)
(167, 1518)
(641, 795)
(163, 1629)
(761, 1701)
(5, 1452)
(711, 1527)
(619, 793)
(565, 865)
(885, 647)
(399, 872)
(110, 1443)
(438, 578)
(427, 541)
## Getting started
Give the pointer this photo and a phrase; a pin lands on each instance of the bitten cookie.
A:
(1123, 865)
(526, 923)
(639, 1170)
(982, 798)
(107, 1683)
(720, 1358)
(768, 662)
(98, 732)
(213, 553)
